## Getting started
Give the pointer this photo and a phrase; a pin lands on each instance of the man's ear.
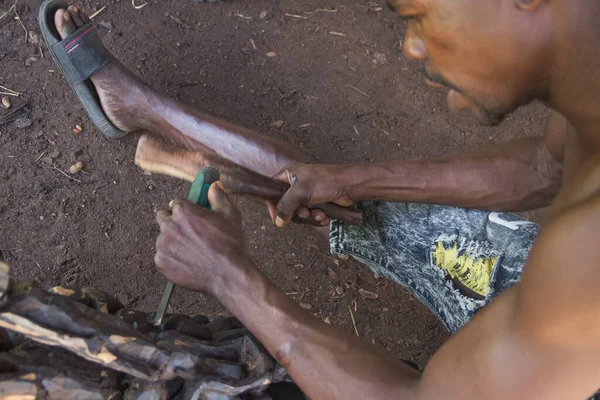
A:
(528, 5)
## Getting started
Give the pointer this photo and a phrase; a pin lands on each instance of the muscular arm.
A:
(537, 340)
(519, 175)
(515, 176)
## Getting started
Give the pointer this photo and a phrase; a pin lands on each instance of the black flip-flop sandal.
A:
(79, 56)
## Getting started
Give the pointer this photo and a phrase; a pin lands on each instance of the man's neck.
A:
(575, 76)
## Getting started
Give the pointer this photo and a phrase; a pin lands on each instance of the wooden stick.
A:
(158, 157)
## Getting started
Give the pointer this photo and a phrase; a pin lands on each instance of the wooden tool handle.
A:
(158, 157)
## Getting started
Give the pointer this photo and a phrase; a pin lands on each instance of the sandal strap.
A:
(84, 51)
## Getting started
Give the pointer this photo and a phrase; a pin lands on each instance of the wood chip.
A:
(30, 60)
(332, 274)
(77, 130)
(271, 54)
(339, 290)
(263, 14)
(305, 126)
(6, 102)
(306, 306)
(94, 15)
(368, 295)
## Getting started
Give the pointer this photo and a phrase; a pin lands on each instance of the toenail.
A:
(75, 9)
(67, 16)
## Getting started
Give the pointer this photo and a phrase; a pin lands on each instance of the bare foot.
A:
(124, 98)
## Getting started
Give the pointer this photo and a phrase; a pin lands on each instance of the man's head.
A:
(494, 55)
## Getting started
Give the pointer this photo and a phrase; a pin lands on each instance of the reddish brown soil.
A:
(101, 232)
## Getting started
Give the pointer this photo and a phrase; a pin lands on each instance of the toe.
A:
(74, 11)
(64, 23)
(84, 16)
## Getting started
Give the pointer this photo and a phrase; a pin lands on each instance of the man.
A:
(536, 339)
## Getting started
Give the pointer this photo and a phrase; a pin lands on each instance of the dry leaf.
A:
(75, 168)
(6, 102)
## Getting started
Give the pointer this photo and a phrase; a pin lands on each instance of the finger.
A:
(303, 212)
(289, 203)
(220, 203)
(344, 202)
(272, 209)
(162, 216)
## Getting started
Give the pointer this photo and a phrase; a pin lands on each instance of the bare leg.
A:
(131, 104)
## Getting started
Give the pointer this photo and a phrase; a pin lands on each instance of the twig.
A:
(9, 10)
(10, 90)
(9, 94)
(20, 22)
(40, 156)
(322, 10)
(358, 90)
(295, 16)
(253, 44)
(375, 126)
(334, 33)
(138, 7)
(188, 306)
(241, 16)
(353, 321)
(98, 187)
(94, 15)
(356, 130)
(65, 174)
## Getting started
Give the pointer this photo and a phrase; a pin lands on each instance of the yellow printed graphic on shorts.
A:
(475, 273)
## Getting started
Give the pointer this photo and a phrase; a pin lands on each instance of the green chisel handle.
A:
(198, 195)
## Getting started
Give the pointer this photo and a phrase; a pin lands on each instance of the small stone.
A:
(77, 130)
(263, 14)
(41, 217)
(306, 306)
(368, 295)
(271, 54)
(6, 102)
(106, 25)
(278, 124)
(327, 320)
(38, 134)
(47, 160)
(339, 290)
(22, 122)
(150, 187)
(75, 168)
(29, 61)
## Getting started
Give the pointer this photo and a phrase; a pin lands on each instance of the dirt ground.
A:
(339, 83)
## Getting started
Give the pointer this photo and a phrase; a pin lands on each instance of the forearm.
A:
(515, 176)
(324, 361)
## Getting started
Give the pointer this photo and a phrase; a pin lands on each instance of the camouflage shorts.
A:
(454, 260)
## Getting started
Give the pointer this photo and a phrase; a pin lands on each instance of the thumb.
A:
(219, 201)
(289, 203)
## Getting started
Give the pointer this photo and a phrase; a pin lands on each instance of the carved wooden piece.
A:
(158, 157)
(120, 361)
